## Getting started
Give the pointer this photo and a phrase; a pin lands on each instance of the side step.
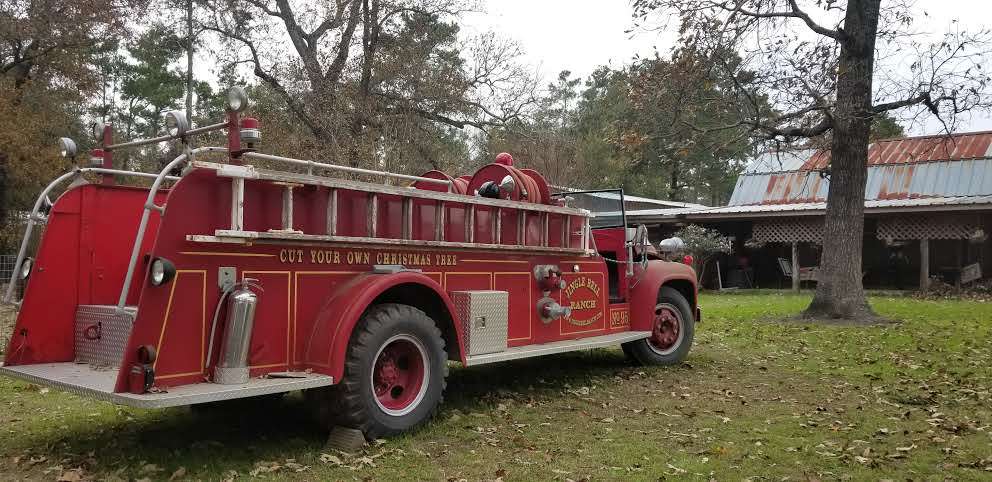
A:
(80, 379)
(557, 347)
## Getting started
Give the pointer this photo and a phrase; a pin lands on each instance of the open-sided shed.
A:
(928, 206)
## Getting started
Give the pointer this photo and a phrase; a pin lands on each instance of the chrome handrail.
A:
(336, 167)
(167, 137)
(146, 213)
(37, 206)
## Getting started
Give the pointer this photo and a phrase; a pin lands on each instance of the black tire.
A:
(353, 403)
(644, 352)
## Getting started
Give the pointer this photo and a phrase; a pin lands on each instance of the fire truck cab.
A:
(239, 274)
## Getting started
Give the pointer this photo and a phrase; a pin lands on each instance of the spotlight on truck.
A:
(176, 123)
(162, 271)
(98, 131)
(26, 266)
(237, 99)
(67, 148)
(507, 185)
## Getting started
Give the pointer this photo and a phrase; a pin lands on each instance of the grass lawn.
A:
(758, 400)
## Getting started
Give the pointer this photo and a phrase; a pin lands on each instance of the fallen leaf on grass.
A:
(330, 459)
(151, 469)
(264, 468)
(72, 475)
(179, 473)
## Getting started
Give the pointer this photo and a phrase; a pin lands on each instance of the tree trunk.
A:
(189, 60)
(839, 292)
(673, 182)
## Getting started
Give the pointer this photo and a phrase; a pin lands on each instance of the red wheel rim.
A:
(666, 330)
(399, 375)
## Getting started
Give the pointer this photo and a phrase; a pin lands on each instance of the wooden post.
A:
(795, 266)
(373, 210)
(719, 277)
(237, 204)
(287, 207)
(924, 264)
(332, 212)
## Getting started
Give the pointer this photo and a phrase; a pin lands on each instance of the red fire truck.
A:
(223, 279)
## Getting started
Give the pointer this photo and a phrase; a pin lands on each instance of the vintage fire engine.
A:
(224, 280)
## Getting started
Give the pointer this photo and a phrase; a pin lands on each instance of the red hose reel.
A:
(497, 180)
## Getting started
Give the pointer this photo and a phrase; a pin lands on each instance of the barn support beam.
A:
(795, 266)
(924, 264)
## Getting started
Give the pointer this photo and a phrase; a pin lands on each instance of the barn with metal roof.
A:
(928, 207)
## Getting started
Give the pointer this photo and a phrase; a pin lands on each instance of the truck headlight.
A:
(26, 266)
(162, 271)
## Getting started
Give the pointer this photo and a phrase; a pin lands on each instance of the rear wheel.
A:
(394, 375)
(672, 332)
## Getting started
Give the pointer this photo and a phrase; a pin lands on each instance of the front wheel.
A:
(394, 376)
(672, 330)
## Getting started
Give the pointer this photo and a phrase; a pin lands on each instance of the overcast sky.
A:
(579, 35)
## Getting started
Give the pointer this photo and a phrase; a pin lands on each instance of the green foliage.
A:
(700, 241)
(650, 127)
(145, 82)
(46, 76)
(675, 133)
(884, 126)
(703, 243)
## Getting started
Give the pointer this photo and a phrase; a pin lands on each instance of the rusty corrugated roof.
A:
(908, 150)
(910, 168)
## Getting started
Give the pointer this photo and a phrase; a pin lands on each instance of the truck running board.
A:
(80, 379)
(557, 347)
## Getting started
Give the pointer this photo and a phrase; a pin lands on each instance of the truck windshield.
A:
(605, 205)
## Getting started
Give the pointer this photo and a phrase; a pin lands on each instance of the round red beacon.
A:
(504, 158)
